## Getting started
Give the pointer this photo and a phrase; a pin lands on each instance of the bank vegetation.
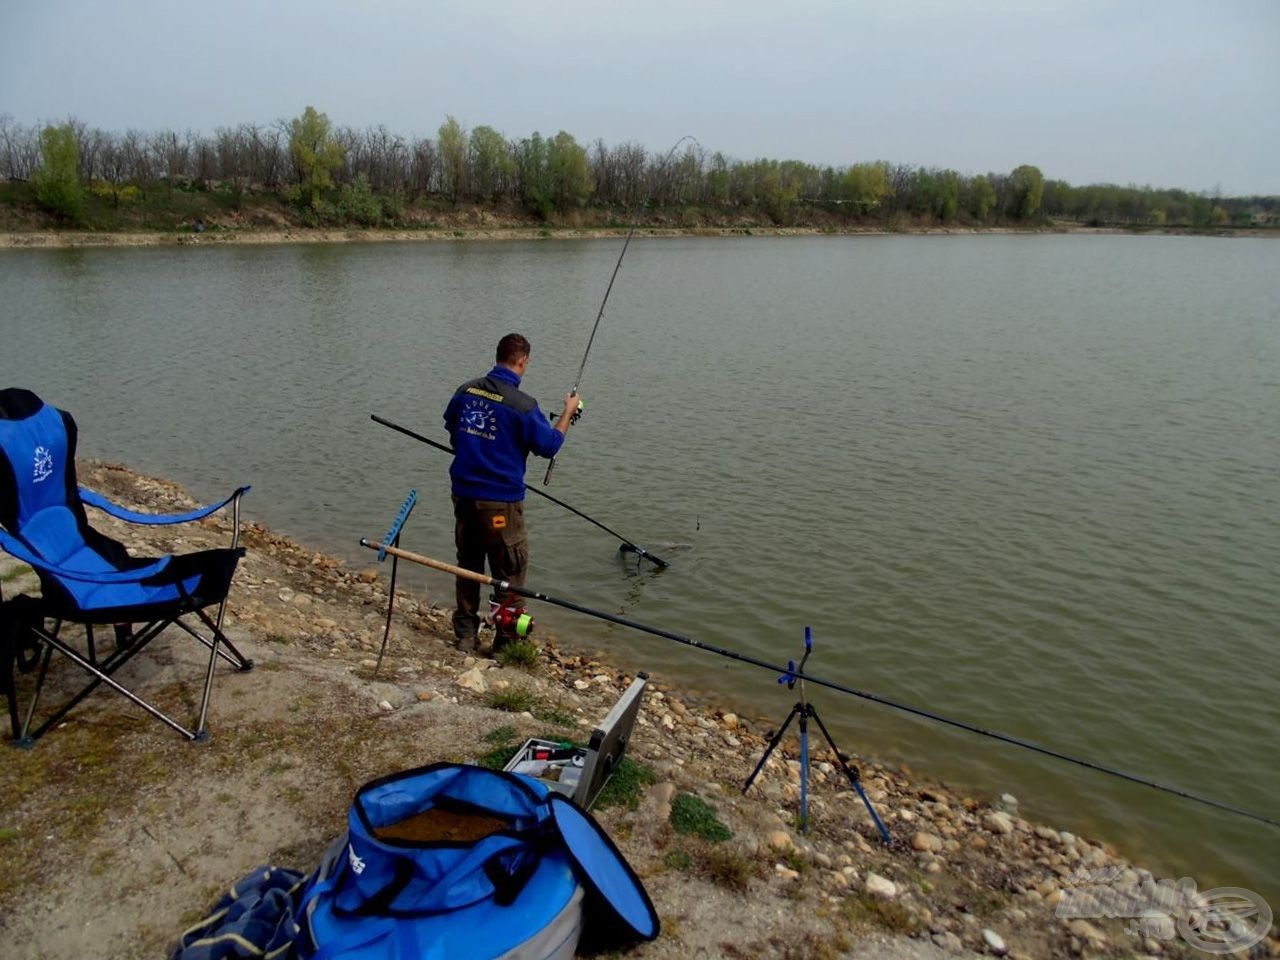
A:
(305, 172)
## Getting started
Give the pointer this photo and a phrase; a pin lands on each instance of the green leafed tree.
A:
(492, 165)
(358, 203)
(57, 179)
(452, 143)
(1026, 190)
(864, 185)
(571, 182)
(535, 175)
(982, 197)
(316, 154)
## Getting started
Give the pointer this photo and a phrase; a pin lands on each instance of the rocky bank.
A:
(116, 834)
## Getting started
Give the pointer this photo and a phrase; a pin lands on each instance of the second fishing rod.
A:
(628, 546)
(799, 674)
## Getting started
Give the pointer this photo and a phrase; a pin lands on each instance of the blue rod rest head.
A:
(808, 638)
(394, 531)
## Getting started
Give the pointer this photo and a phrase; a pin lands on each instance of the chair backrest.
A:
(39, 498)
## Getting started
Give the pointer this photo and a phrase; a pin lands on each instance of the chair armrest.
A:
(18, 549)
(102, 503)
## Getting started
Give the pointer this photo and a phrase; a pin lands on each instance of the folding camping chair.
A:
(89, 579)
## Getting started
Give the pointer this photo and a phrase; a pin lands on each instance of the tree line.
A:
(374, 176)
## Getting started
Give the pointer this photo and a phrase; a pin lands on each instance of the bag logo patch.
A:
(43, 465)
(357, 865)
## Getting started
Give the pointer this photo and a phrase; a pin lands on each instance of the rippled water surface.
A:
(1028, 482)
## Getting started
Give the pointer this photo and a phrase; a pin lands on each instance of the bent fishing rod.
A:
(627, 545)
(577, 381)
(799, 674)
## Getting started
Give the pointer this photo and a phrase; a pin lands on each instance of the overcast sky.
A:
(1168, 93)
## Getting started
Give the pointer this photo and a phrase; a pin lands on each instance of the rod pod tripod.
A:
(804, 710)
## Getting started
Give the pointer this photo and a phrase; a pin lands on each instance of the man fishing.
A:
(494, 427)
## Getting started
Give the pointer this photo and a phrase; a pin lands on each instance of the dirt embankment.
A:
(116, 834)
(53, 239)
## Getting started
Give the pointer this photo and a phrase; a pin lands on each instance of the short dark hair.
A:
(511, 348)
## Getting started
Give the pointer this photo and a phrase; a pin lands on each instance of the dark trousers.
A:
(487, 530)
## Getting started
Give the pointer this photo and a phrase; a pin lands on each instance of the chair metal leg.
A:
(101, 676)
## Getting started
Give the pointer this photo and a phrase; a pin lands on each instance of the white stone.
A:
(995, 942)
(997, 821)
(473, 680)
(878, 886)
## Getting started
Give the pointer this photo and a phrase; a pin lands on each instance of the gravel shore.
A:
(117, 834)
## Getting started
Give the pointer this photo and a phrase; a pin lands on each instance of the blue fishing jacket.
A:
(494, 427)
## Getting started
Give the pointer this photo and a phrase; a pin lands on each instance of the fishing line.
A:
(822, 682)
(577, 381)
(627, 545)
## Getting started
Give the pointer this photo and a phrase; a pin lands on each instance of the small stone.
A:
(729, 721)
(473, 680)
(581, 684)
(926, 842)
(1086, 931)
(780, 840)
(385, 706)
(367, 576)
(369, 664)
(995, 943)
(878, 886)
(424, 696)
(786, 873)
(997, 821)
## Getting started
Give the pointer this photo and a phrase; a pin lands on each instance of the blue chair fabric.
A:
(90, 579)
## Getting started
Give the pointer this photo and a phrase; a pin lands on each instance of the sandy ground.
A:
(116, 834)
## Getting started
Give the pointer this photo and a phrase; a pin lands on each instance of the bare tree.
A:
(424, 167)
(19, 149)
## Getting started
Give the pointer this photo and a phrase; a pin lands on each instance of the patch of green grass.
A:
(677, 860)
(692, 815)
(626, 786)
(888, 914)
(497, 758)
(797, 861)
(513, 700)
(728, 868)
(9, 833)
(500, 736)
(15, 573)
(555, 715)
(523, 655)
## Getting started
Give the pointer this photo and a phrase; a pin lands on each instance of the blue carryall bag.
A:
(516, 894)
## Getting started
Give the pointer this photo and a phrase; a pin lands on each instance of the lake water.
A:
(1029, 482)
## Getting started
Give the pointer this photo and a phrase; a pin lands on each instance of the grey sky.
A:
(1173, 93)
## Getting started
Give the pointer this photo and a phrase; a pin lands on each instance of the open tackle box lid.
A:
(582, 772)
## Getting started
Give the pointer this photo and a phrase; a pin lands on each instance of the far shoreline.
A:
(74, 239)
